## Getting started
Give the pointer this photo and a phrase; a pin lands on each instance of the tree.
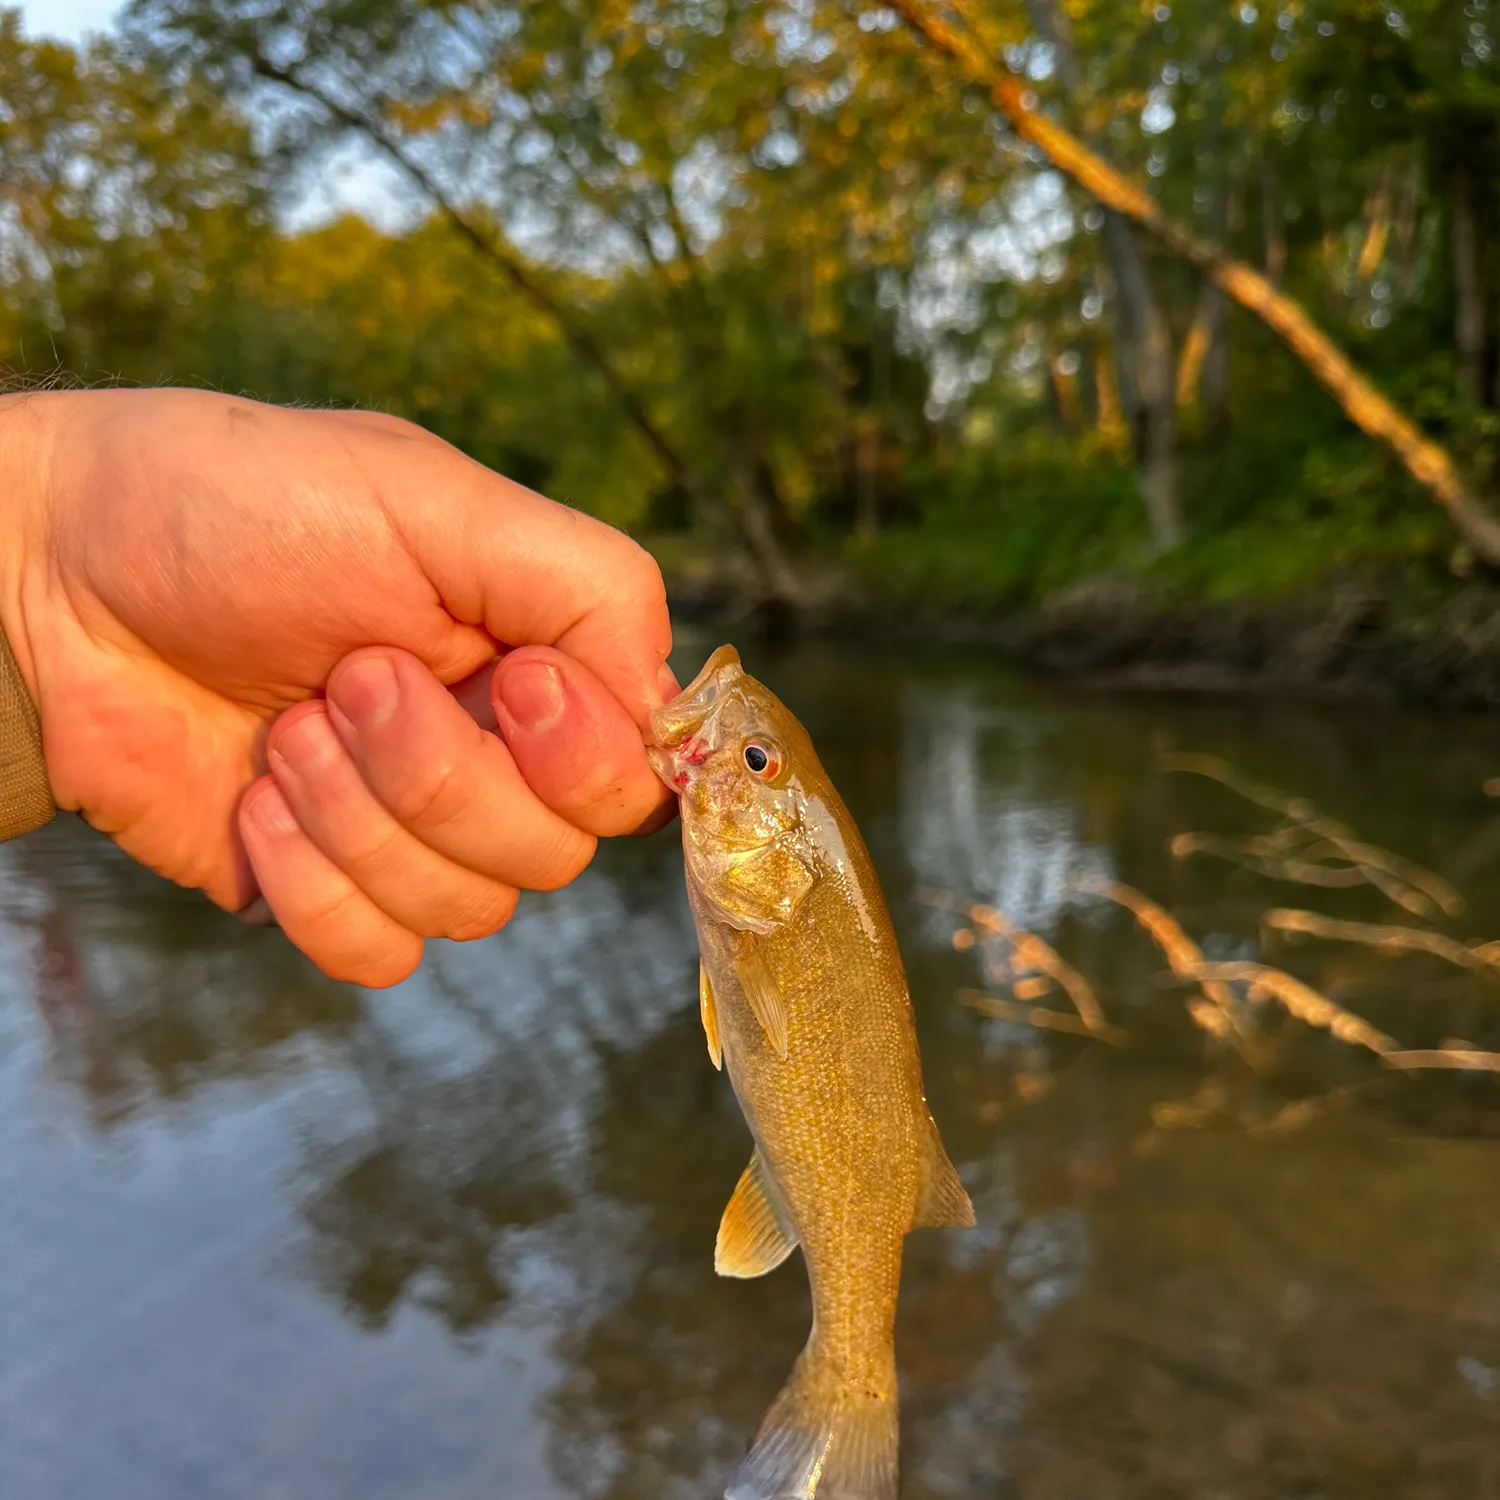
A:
(124, 201)
(1427, 461)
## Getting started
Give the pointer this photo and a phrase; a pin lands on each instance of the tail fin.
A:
(823, 1439)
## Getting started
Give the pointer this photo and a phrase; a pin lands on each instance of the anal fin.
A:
(753, 1236)
(942, 1202)
(709, 1012)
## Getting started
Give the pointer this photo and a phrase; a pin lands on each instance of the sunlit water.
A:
(262, 1235)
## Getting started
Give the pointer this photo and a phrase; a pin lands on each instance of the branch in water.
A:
(1183, 954)
(1041, 1016)
(1031, 952)
(1481, 959)
(1411, 887)
(1305, 1003)
(1466, 1059)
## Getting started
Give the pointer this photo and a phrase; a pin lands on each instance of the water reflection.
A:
(264, 1235)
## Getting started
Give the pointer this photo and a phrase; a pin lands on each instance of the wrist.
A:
(29, 424)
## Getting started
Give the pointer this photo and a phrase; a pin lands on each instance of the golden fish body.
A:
(805, 1001)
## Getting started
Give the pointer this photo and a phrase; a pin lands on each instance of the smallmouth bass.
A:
(804, 1002)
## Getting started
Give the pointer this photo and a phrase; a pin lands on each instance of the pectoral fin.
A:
(942, 1202)
(753, 1236)
(762, 992)
(710, 1017)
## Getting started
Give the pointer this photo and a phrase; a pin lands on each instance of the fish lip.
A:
(674, 724)
(664, 763)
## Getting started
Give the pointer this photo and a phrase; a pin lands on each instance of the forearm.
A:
(25, 457)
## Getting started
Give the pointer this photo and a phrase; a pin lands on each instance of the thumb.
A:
(532, 572)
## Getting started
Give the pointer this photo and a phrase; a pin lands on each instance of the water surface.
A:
(263, 1235)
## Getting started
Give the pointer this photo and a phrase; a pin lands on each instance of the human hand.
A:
(186, 573)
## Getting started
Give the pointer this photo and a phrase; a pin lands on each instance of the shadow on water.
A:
(265, 1235)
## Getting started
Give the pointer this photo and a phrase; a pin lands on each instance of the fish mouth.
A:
(675, 765)
(675, 725)
(664, 763)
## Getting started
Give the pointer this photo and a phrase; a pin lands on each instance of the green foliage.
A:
(1008, 531)
(837, 287)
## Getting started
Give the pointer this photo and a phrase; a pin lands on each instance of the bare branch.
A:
(1040, 1016)
(1484, 958)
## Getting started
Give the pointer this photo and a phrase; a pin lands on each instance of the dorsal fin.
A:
(709, 1012)
(762, 992)
(942, 1202)
(753, 1236)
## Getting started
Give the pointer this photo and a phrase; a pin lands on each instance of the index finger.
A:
(533, 572)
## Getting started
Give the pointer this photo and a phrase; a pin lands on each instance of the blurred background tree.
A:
(775, 287)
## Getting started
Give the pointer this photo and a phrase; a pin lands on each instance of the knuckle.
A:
(373, 846)
(643, 575)
(428, 801)
(332, 915)
(569, 856)
(481, 916)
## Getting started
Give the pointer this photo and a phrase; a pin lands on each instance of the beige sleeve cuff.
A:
(25, 793)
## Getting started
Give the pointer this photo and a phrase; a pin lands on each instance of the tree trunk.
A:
(1108, 423)
(1203, 370)
(867, 434)
(765, 516)
(1272, 225)
(1145, 329)
(1215, 384)
(1468, 284)
(1429, 463)
(1064, 393)
(1142, 337)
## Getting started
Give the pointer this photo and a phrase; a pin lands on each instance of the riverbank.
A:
(1391, 640)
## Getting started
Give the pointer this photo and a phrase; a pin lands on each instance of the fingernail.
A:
(269, 811)
(533, 695)
(308, 746)
(667, 684)
(366, 692)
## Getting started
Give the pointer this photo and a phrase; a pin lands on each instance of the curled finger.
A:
(407, 879)
(318, 907)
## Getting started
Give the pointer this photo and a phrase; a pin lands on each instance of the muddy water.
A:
(270, 1237)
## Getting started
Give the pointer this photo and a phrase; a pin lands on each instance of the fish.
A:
(805, 1005)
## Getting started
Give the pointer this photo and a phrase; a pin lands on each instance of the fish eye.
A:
(762, 759)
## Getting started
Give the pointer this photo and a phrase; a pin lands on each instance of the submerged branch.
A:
(1297, 810)
(1411, 887)
(1183, 954)
(1465, 1059)
(1305, 1003)
(1032, 953)
(1041, 1016)
(1483, 958)
(1241, 852)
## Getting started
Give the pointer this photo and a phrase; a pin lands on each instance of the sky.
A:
(348, 179)
(68, 19)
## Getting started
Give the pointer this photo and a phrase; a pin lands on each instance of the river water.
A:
(267, 1237)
